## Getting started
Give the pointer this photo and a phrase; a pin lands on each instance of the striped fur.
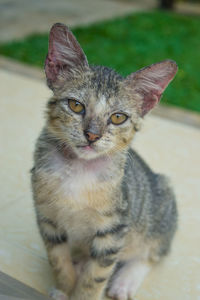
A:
(101, 211)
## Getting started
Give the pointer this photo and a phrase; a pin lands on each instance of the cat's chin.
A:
(87, 152)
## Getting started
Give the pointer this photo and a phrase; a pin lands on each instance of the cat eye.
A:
(118, 118)
(76, 106)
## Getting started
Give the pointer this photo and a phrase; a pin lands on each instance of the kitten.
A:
(104, 216)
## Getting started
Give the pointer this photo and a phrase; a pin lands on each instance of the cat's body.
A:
(105, 217)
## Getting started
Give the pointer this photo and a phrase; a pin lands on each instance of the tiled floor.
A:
(169, 147)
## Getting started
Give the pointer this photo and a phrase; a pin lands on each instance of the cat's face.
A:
(94, 114)
(94, 110)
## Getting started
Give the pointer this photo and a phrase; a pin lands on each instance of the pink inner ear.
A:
(64, 53)
(151, 82)
(51, 69)
(149, 101)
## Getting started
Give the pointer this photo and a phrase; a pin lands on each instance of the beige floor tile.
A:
(28, 267)
(21, 120)
(167, 146)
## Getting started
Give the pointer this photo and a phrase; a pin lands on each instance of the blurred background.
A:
(123, 34)
(126, 35)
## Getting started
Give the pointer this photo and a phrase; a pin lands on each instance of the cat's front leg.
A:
(59, 258)
(65, 275)
(97, 271)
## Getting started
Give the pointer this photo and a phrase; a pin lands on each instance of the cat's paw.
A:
(58, 295)
(127, 280)
(120, 291)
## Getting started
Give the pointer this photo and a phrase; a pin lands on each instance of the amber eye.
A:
(76, 106)
(118, 118)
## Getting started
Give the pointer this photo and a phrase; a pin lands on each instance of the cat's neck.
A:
(92, 165)
(101, 163)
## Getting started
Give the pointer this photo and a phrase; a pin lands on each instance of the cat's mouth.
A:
(87, 151)
(86, 147)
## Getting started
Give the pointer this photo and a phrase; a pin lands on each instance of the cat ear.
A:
(65, 57)
(150, 83)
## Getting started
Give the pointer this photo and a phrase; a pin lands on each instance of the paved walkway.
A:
(22, 17)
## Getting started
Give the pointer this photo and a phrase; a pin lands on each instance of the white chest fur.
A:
(80, 193)
(75, 177)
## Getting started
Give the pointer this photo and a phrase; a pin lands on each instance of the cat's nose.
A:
(91, 137)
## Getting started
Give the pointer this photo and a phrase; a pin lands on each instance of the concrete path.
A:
(168, 147)
(23, 17)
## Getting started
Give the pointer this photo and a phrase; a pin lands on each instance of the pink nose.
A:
(92, 137)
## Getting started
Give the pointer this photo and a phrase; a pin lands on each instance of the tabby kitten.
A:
(104, 216)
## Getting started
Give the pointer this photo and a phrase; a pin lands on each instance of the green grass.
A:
(129, 43)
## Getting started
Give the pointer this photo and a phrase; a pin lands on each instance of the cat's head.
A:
(94, 110)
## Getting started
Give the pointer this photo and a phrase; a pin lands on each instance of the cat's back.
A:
(151, 198)
(137, 176)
